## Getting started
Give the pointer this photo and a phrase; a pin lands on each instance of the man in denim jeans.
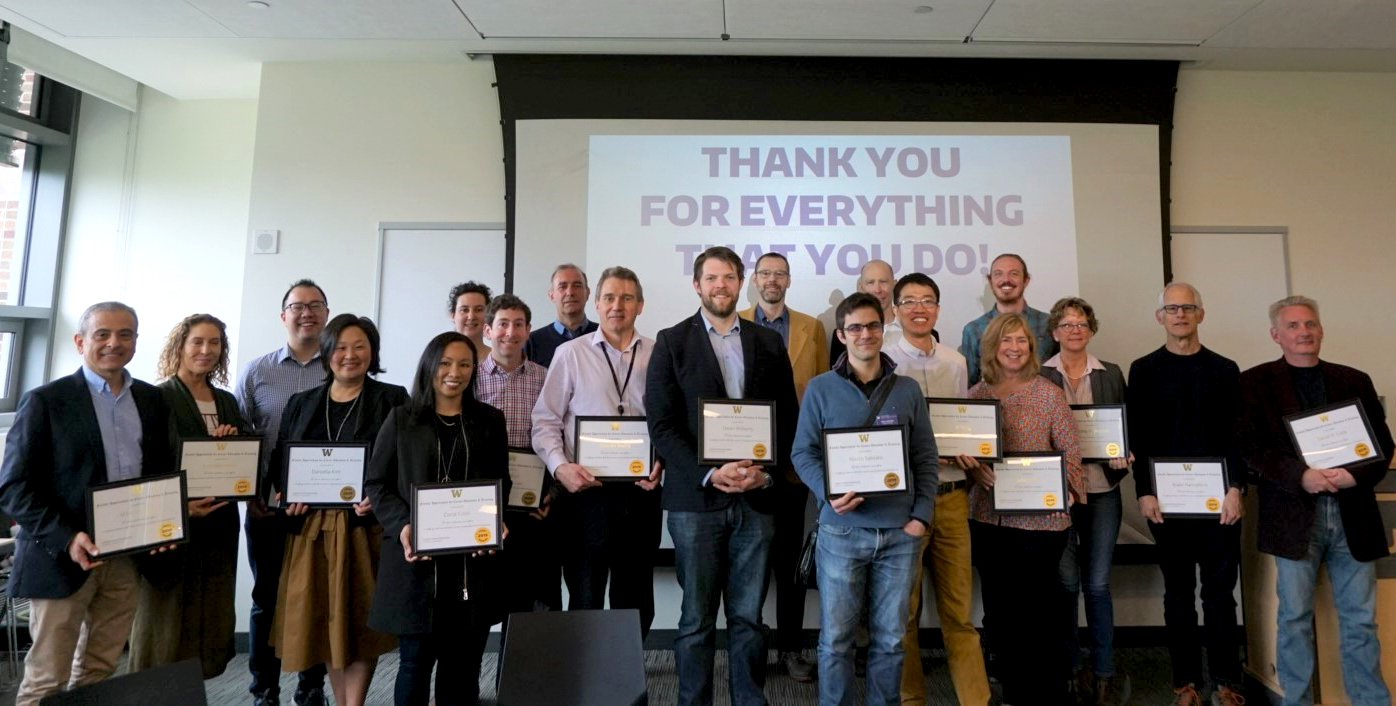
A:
(1313, 510)
(868, 544)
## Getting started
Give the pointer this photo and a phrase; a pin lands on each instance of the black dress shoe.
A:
(799, 668)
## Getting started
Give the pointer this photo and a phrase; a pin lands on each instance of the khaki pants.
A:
(78, 639)
(953, 579)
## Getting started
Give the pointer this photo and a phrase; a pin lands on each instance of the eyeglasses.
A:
(1185, 308)
(1073, 327)
(858, 329)
(927, 303)
(772, 274)
(299, 308)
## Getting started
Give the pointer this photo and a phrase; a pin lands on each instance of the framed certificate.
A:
(1189, 487)
(866, 461)
(454, 518)
(1030, 483)
(324, 473)
(138, 515)
(224, 468)
(1101, 432)
(737, 430)
(1334, 436)
(527, 473)
(967, 427)
(614, 448)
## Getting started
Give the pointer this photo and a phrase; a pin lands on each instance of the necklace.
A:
(443, 420)
(445, 462)
(335, 436)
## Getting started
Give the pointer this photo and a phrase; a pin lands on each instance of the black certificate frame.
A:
(1124, 429)
(906, 458)
(251, 494)
(576, 446)
(286, 469)
(1066, 487)
(498, 543)
(542, 492)
(998, 421)
(1221, 499)
(144, 548)
(1289, 420)
(705, 460)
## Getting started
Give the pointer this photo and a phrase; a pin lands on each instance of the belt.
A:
(944, 488)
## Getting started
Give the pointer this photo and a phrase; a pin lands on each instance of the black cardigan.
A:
(1107, 387)
(406, 455)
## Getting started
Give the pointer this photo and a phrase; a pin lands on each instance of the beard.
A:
(718, 310)
(772, 296)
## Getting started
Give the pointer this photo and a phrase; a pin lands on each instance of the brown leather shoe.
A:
(1186, 696)
(1226, 696)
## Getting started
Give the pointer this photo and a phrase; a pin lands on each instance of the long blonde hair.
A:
(989, 347)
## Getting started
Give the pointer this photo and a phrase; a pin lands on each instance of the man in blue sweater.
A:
(867, 545)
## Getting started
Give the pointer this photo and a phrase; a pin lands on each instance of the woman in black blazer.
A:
(444, 434)
(188, 596)
(1095, 525)
(331, 559)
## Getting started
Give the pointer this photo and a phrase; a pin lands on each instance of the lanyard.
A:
(615, 380)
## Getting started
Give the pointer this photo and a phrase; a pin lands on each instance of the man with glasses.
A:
(876, 278)
(803, 336)
(568, 292)
(1008, 280)
(939, 371)
(266, 385)
(1184, 400)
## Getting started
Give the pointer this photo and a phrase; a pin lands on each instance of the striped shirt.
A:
(514, 393)
(267, 385)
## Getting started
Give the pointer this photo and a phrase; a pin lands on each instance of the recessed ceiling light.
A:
(258, 4)
(923, 9)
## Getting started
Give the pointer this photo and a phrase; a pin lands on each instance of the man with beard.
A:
(1008, 280)
(720, 518)
(804, 342)
(568, 292)
(876, 278)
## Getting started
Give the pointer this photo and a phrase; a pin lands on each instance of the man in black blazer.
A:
(1311, 516)
(719, 515)
(95, 426)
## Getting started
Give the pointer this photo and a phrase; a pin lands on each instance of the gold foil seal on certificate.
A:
(529, 497)
(1112, 449)
(1213, 504)
(891, 480)
(347, 493)
(985, 449)
(242, 486)
(758, 451)
(637, 467)
(482, 535)
(1361, 450)
(1049, 500)
(166, 530)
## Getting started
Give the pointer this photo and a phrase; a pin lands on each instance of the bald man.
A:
(876, 278)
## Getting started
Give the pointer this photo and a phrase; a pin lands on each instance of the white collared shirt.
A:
(579, 384)
(940, 373)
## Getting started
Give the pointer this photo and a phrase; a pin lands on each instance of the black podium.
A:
(577, 657)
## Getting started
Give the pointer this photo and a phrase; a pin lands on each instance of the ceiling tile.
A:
(341, 19)
(621, 19)
(118, 18)
(879, 20)
(1302, 24)
(1124, 21)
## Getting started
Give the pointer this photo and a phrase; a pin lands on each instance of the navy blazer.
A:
(53, 454)
(1286, 509)
(684, 369)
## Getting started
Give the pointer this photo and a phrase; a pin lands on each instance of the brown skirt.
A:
(327, 582)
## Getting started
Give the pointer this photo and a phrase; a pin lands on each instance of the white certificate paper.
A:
(526, 472)
(455, 517)
(325, 474)
(614, 448)
(1333, 437)
(224, 468)
(865, 461)
(131, 516)
(1030, 484)
(965, 428)
(737, 430)
(1100, 431)
(1189, 486)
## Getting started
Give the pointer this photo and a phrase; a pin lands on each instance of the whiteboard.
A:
(1240, 272)
(418, 264)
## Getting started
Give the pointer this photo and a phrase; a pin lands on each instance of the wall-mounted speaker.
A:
(266, 242)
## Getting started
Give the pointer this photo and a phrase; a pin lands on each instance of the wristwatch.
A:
(770, 480)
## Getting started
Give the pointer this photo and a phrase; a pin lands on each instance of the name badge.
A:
(886, 420)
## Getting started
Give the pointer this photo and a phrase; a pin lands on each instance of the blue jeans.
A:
(860, 571)
(722, 555)
(1354, 597)
(1091, 553)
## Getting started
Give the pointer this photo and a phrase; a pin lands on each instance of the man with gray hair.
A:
(96, 426)
(1317, 515)
(1183, 400)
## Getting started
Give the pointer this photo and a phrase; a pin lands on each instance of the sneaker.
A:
(1186, 696)
(1112, 690)
(1226, 696)
(309, 697)
(266, 698)
(799, 668)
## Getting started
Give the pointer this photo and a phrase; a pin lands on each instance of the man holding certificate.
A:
(868, 431)
(1315, 434)
(721, 399)
(611, 529)
(96, 426)
(1182, 402)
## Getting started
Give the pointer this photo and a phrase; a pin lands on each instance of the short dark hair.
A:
(722, 253)
(1013, 255)
(621, 273)
(329, 338)
(303, 283)
(423, 400)
(857, 300)
(471, 287)
(774, 254)
(507, 301)
(914, 278)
